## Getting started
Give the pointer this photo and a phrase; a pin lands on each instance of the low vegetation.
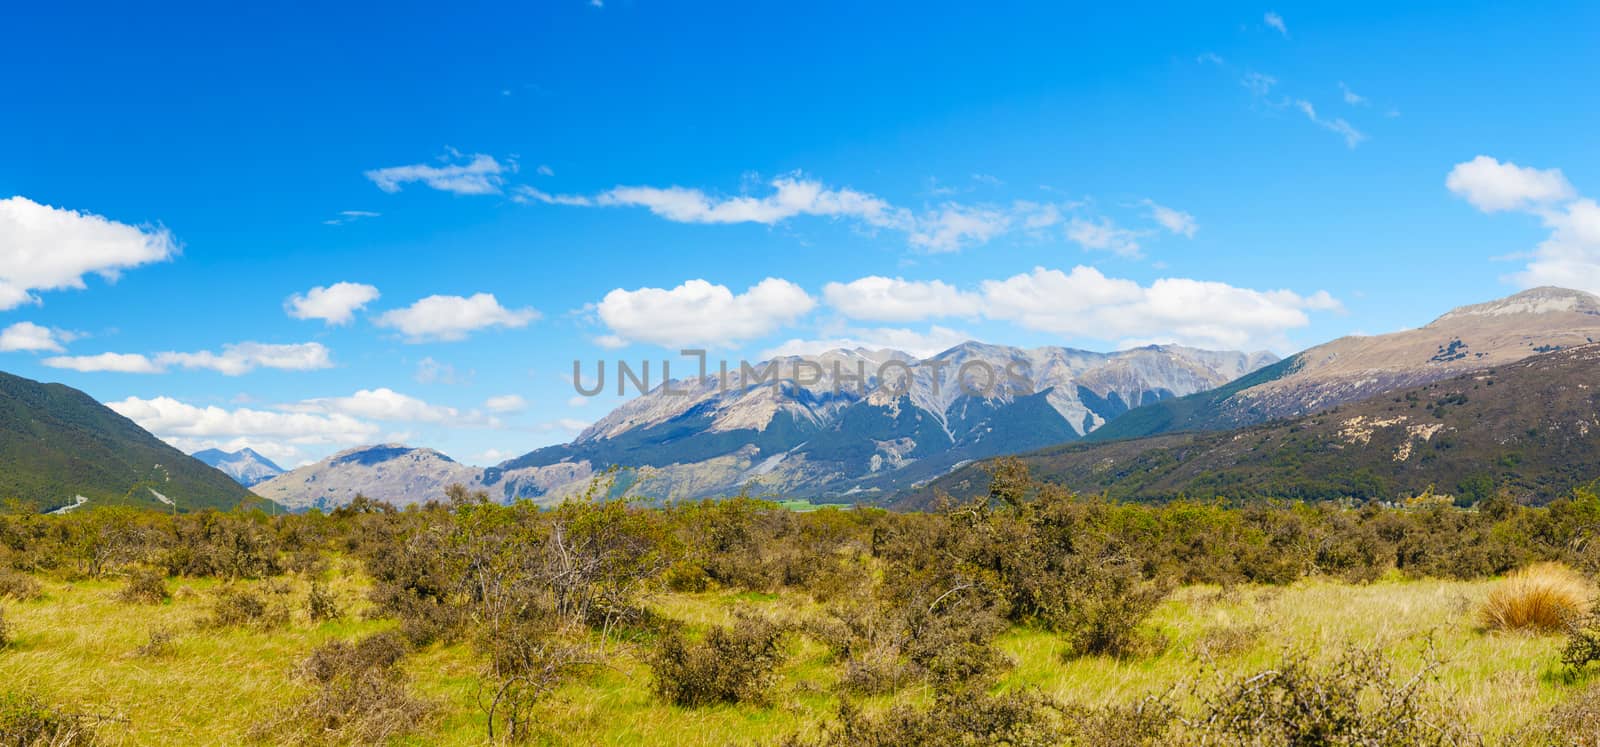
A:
(1029, 616)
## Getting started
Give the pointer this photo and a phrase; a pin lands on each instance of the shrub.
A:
(1018, 719)
(1542, 597)
(321, 604)
(161, 643)
(732, 665)
(1354, 701)
(19, 586)
(5, 630)
(145, 587)
(1573, 723)
(244, 607)
(360, 696)
(27, 720)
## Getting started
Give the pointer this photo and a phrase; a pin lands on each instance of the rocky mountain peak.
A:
(1534, 301)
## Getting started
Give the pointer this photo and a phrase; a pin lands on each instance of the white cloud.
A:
(334, 304)
(350, 216)
(700, 313)
(274, 434)
(1351, 97)
(481, 175)
(452, 318)
(234, 360)
(1104, 235)
(430, 371)
(27, 336)
(1493, 186)
(245, 357)
(949, 227)
(921, 344)
(577, 400)
(1275, 22)
(113, 362)
(384, 404)
(898, 300)
(506, 404)
(1570, 255)
(48, 248)
(1337, 125)
(1259, 84)
(569, 425)
(1205, 314)
(1175, 221)
(492, 456)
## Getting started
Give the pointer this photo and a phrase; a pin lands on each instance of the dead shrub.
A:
(1543, 597)
(235, 607)
(360, 696)
(731, 665)
(144, 587)
(6, 632)
(1573, 723)
(19, 586)
(1228, 640)
(27, 721)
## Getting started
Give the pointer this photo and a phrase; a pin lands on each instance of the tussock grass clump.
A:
(1543, 597)
(19, 586)
(27, 720)
(145, 587)
(732, 664)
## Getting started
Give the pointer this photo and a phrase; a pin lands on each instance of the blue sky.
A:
(629, 178)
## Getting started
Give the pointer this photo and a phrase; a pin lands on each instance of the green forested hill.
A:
(1532, 427)
(57, 443)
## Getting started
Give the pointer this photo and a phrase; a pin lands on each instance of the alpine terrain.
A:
(392, 473)
(245, 465)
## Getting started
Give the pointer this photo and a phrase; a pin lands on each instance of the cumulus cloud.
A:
(1570, 255)
(30, 337)
(234, 360)
(953, 227)
(1085, 302)
(506, 404)
(918, 343)
(479, 175)
(700, 313)
(113, 362)
(1104, 235)
(335, 304)
(453, 318)
(275, 434)
(1493, 186)
(385, 404)
(48, 248)
(884, 299)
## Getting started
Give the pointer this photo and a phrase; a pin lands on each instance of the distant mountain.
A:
(913, 419)
(1349, 369)
(245, 465)
(59, 448)
(393, 473)
(1532, 426)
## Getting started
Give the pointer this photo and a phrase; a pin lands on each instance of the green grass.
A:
(75, 647)
(801, 505)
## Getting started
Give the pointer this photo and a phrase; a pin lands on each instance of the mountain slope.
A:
(393, 473)
(245, 466)
(1532, 426)
(1348, 369)
(58, 444)
(801, 434)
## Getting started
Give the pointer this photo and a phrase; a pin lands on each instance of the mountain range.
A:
(245, 466)
(1532, 427)
(60, 449)
(393, 473)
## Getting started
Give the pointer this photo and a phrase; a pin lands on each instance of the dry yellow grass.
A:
(1541, 597)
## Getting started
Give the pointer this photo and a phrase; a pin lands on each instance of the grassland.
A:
(78, 646)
